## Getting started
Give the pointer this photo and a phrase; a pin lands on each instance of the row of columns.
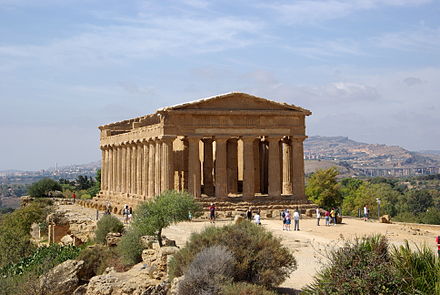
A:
(142, 168)
(282, 158)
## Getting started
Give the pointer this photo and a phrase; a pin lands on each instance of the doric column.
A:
(109, 170)
(257, 165)
(133, 180)
(248, 166)
(167, 176)
(194, 166)
(298, 167)
(145, 169)
(114, 168)
(103, 168)
(157, 166)
(287, 166)
(274, 167)
(208, 166)
(139, 166)
(123, 168)
(220, 167)
(128, 168)
(118, 166)
(151, 167)
(232, 165)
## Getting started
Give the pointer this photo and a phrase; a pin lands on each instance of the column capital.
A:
(221, 138)
(298, 139)
(207, 140)
(248, 138)
(273, 138)
(168, 138)
(193, 137)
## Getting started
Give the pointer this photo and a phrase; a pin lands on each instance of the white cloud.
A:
(423, 38)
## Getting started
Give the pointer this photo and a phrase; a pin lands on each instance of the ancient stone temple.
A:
(231, 146)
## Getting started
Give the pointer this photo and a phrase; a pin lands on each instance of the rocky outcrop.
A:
(385, 219)
(112, 239)
(62, 279)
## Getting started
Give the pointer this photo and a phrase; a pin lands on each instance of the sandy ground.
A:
(310, 243)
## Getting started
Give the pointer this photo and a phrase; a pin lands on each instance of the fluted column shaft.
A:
(128, 168)
(145, 169)
(248, 166)
(123, 168)
(157, 165)
(133, 169)
(287, 167)
(208, 166)
(151, 167)
(103, 169)
(194, 166)
(220, 167)
(274, 167)
(167, 176)
(232, 165)
(109, 170)
(298, 167)
(139, 166)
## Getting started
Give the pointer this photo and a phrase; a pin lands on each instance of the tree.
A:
(94, 190)
(42, 188)
(323, 189)
(167, 208)
(83, 182)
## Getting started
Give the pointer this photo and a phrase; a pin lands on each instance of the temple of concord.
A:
(233, 146)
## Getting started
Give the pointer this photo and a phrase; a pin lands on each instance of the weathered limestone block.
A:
(238, 219)
(112, 239)
(385, 219)
(309, 212)
(62, 279)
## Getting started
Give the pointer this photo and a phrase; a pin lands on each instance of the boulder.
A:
(67, 240)
(112, 239)
(385, 219)
(338, 219)
(309, 212)
(62, 279)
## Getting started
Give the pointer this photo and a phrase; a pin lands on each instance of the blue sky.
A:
(367, 69)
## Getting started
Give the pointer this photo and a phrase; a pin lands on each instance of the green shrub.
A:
(130, 247)
(107, 224)
(14, 231)
(362, 266)
(211, 268)
(261, 259)
(242, 288)
(86, 197)
(42, 188)
(419, 270)
(407, 217)
(431, 216)
(97, 259)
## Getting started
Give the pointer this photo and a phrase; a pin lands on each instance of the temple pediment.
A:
(236, 101)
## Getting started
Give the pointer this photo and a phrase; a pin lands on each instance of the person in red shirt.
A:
(437, 240)
(212, 213)
(74, 197)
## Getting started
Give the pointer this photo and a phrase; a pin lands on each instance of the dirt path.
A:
(310, 243)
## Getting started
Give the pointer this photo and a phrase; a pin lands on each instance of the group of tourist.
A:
(287, 219)
(256, 218)
(329, 216)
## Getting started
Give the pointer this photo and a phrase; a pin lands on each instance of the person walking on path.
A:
(126, 213)
(212, 213)
(366, 211)
(249, 214)
(318, 215)
(283, 217)
(333, 216)
(257, 218)
(288, 219)
(296, 219)
(437, 240)
(74, 197)
(327, 218)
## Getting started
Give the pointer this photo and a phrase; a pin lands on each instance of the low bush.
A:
(209, 270)
(261, 259)
(406, 217)
(362, 266)
(97, 259)
(130, 247)
(242, 288)
(107, 224)
(42, 188)
(431, 216)
(419, 270)
(86, 197)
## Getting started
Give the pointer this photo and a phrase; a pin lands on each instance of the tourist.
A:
(108, 208)
(366, 213)
(287, 219)
(283, 217)
(318, 215)
(74, 197)
(438, 245)
(257, 218)
(333, 216)
(190, 216)
(249, 214)
(296, 217)
(130, 214)
(212, 213)
(327, 217)
(125, 213)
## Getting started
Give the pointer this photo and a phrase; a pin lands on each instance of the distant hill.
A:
(358, 158)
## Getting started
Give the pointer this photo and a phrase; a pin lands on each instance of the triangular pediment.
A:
(236, 101)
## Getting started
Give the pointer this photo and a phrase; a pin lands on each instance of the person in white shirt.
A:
(296, 219)
(318, 215)
(257, 218)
